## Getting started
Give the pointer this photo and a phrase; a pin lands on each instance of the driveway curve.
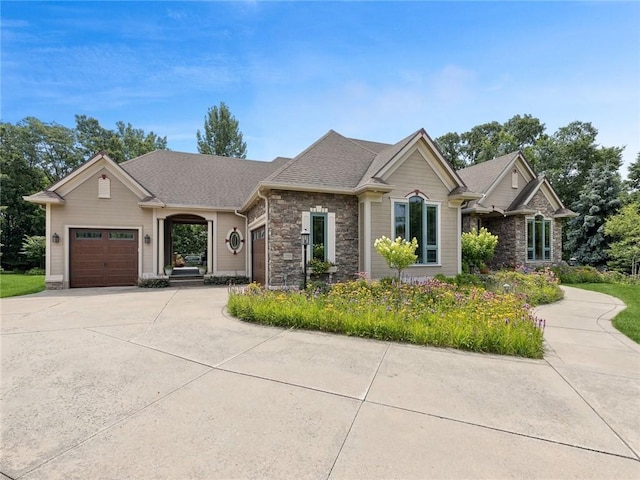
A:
(163, 384)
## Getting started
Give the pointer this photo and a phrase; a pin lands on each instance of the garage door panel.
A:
(258, 256)
(103, 257)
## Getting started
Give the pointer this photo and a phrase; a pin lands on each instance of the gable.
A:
(423, 157)
(502, 192)
(93, 171)
(415, 171)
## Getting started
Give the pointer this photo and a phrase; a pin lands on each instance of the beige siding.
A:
(227, 262)
(83, 208)
(504, 194)
(416, 174)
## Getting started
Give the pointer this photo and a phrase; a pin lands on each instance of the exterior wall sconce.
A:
(55, 238)
(304, 237)
(147, 239)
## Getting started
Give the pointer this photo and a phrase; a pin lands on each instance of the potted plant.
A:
(202, 269)
(168, 269)
(320, 267)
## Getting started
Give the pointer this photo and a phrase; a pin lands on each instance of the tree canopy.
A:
(222, 135)
(35, 154)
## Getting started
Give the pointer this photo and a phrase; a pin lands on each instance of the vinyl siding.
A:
(415, 173)
(227, 261)
(83, 208)
(504, 194)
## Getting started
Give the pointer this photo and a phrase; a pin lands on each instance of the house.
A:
(520, 207)
(110, 224)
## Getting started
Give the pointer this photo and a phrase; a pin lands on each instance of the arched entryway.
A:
(186, 242)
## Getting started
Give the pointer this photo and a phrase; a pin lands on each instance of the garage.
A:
(103, 257)
(258, 256)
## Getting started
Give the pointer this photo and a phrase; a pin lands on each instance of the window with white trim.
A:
(538, 239)
(319, 236)
(321, 225)
(418, 218)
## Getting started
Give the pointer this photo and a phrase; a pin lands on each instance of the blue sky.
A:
(291, 71)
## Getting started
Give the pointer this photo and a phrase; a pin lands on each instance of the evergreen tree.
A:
(599, 199)
(221, 134)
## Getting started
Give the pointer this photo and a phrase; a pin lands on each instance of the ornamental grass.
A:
(430, 313)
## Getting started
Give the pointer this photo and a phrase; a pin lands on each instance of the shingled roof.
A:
(333, 161)
(481, 176)
(199, 180)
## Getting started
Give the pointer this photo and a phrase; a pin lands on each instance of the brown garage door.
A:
(258, 270)
(103, 258)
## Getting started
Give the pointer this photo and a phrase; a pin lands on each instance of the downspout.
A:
(247, 233)
(266, 238)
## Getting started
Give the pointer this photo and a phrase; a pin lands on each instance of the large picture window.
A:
(538, 239)
(417, 219)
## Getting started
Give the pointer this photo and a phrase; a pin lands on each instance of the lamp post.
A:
(304, 236)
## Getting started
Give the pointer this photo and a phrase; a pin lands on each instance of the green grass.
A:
(12, 285)
(627, 321)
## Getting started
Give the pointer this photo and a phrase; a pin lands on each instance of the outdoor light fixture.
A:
(55, 238)
(539, 217)
(147, 238)
(304, 236)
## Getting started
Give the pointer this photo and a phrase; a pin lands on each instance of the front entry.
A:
(103, 257)
(258, 256)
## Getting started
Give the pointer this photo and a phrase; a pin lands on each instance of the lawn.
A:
(627, 321)
(14, 284)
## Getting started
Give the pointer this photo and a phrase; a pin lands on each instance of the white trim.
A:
(331, 237)
(439, 246)
(154, 243)
(257, 222)
(209, 249)
(93, 167)
(367, 236)
(306, 225)
(161, 246)
(48, 244)
(459, 239)
(526, 238)
(214, 239)
(227, 241)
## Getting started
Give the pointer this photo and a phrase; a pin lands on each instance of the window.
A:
(88, 235)
(538, 239)
(122, 236)
(417, 219)
(319, 236)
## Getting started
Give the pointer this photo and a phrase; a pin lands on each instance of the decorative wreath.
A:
(234, 240)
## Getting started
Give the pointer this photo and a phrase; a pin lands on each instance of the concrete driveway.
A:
(127, 383)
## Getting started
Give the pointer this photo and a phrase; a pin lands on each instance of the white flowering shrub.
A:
(398, 253)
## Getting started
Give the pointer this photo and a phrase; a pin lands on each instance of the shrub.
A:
(478, 247)
(33, 248)
(398, 253)
(226, 280)
(536, 288)
(153, 282)
(36, 271)
(430, 313)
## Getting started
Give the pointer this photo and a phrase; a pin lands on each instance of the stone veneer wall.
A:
(540, 202)
(255, 210)
(509, 240)
(285, 225)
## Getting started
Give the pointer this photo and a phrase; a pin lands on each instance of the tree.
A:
(599, 198)
(221, 134)
(624, 230)
(489, 140)
(121, 144)
(632, 183)
(33, 248)
(398, 253)
(21, 175)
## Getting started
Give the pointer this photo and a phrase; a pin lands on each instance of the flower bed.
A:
(431, 313)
